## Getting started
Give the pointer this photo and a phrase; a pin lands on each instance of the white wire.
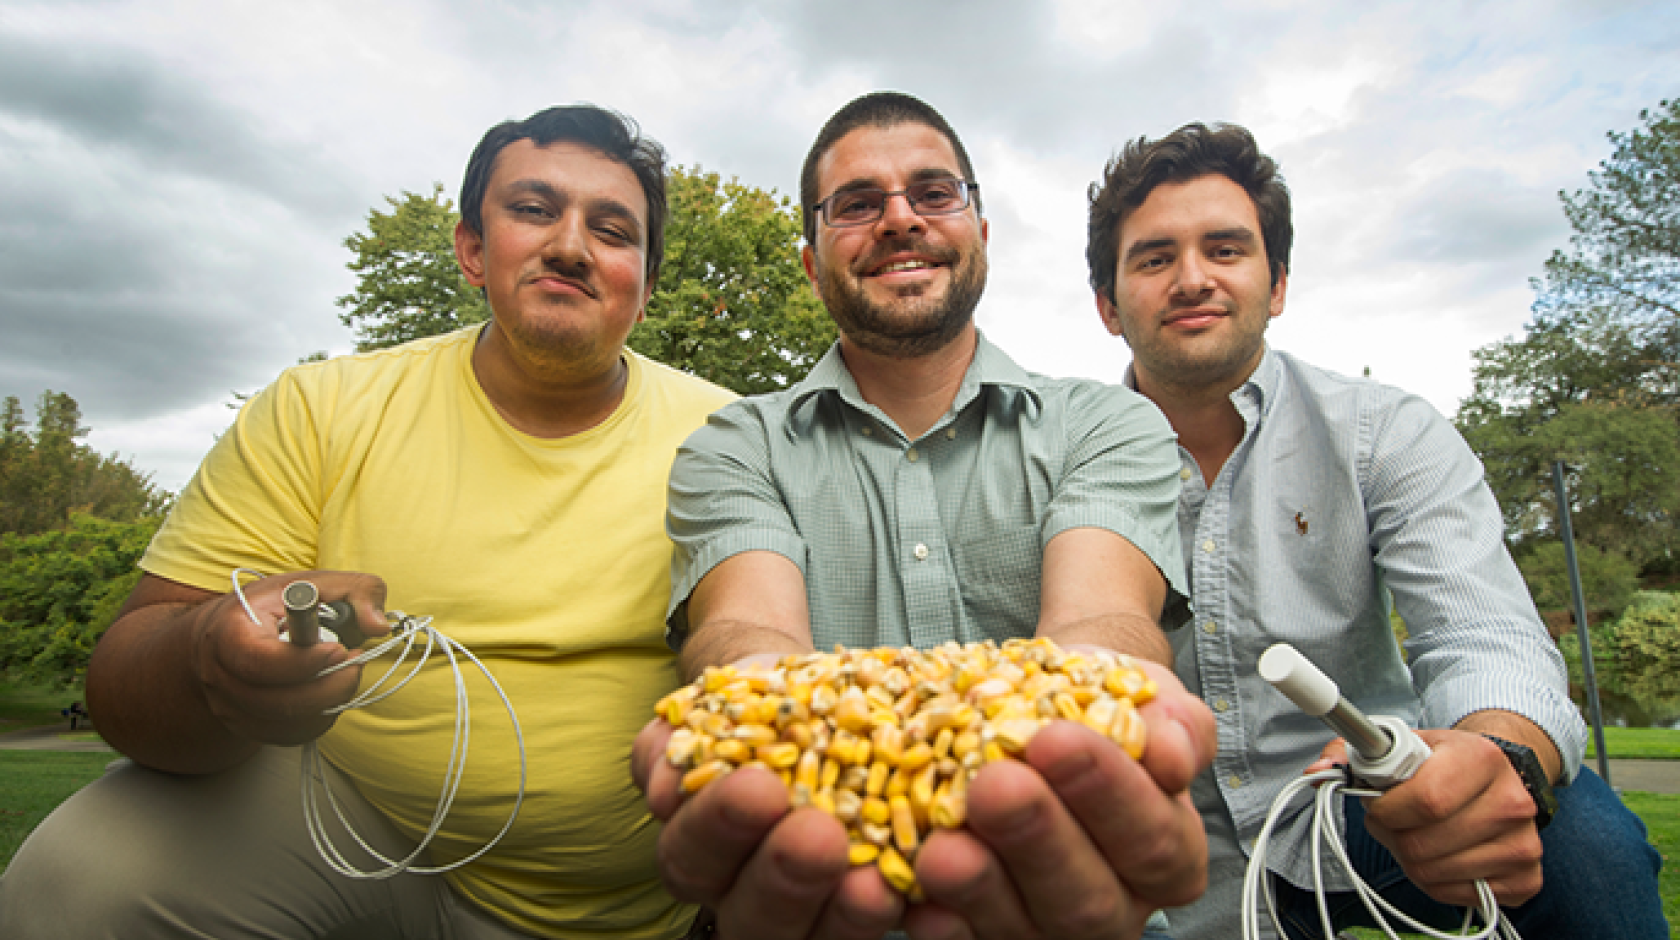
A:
(1331, 786)
(405, 633)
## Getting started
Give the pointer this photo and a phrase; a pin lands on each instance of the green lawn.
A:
(33, 783)
(1650, 743)
(1661, 813)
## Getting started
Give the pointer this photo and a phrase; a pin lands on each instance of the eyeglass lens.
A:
(929, 197)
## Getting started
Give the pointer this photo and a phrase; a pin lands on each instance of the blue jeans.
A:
(1599, 867)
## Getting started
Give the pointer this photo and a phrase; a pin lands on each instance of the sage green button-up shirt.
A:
(914, 543)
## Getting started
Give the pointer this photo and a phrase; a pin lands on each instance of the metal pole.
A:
(1588, 675)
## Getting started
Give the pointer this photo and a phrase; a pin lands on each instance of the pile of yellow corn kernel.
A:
(886, 740)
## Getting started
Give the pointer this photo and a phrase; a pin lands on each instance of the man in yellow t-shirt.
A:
(507, 481)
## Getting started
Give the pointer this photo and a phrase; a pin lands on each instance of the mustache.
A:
(577, 275)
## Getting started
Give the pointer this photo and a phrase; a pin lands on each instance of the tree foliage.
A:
(46, 473)
(1625, 253)
(1595, 381)
(407, 282)
(1608, 579)
(59, 590)
(733, 304)
(1647, 645)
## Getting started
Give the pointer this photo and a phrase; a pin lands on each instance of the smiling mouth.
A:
(906, 266)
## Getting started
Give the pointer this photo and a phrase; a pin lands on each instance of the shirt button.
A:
(1221, 706)
(950, 434)
(866, 431)
(911, 455)
(1234, 782)
(920, 551)
(1210, 628)
(1208, 546)
(1184, 473)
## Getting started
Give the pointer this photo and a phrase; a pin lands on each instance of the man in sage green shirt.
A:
(917, 488)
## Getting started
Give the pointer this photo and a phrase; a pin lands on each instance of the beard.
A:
(915, 322)
(1203, 362)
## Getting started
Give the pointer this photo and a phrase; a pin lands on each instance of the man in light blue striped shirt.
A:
(919, 488)
(1310, 503)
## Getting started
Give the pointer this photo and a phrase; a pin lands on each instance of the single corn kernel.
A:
(878, 773)
(896, 871)
(704, 774)
(805, 772)
(877, 811)
(778, 756)
(733, 751)
(904, 825)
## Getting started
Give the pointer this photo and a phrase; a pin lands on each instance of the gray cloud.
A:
(176, 180)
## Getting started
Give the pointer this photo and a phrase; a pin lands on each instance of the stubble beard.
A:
(912, 324)
(1226, 363)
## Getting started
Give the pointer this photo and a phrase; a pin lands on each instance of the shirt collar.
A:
(990, 366)
(1261, 387)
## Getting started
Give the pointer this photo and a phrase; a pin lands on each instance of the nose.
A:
(897, 217)
(568, 245)
(1192, 278)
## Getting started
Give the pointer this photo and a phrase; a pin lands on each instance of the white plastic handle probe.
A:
(1382, 751)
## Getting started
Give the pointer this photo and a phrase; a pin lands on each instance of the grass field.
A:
(1646, 743)
(33, 783)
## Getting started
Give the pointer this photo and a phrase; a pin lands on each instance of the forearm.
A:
(142, 684)
(1101, 590)
(1514, 727)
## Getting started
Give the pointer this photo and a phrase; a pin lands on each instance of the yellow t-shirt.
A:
(547, 558)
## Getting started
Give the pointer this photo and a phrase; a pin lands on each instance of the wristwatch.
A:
(1527, 766)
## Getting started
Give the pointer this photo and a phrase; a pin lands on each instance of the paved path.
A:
(51, 738)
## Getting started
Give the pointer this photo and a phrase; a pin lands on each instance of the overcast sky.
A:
(177, 178)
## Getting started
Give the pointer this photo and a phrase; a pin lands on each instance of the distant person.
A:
(77, 714)
(919, 487)
(1309, 501)
(507, 480)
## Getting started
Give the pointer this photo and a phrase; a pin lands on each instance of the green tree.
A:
(1625, 253)
(407, 282)
(47, 474)
(1608, 579)
(1647, 646)
(1596, 379)
(733, 304)
(60, 590)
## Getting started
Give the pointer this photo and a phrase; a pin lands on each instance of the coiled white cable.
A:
(1332, 785)
(406, 632)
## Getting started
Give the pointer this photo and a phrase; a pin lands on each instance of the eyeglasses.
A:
(851, 207)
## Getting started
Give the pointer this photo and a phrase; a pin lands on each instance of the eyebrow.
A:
(1238, 233)
(918, 176)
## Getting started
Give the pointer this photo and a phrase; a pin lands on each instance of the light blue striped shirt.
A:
(1343, 493)
(914, 543)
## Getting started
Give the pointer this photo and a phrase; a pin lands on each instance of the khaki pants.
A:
(141, 854)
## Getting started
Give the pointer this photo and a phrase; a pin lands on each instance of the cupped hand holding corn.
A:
(887, 740)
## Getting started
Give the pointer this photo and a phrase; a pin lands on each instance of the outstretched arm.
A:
(184, 682)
